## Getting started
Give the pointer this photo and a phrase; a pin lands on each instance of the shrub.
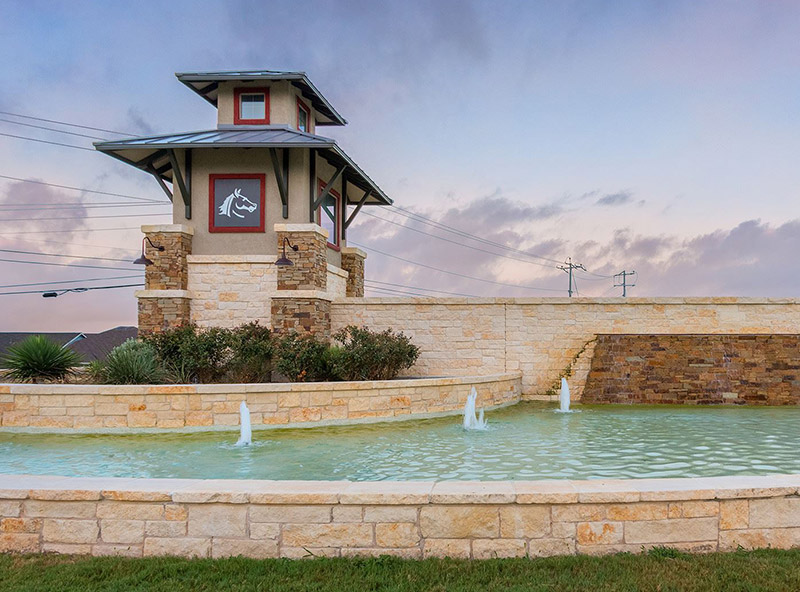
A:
(302, 358)
(252, 347)
(198, 355)
(39, 358)
(133, 362)
(370, 355)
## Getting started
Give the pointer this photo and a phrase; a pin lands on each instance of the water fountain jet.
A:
(245, 430)
(471, 421)
(564, 397)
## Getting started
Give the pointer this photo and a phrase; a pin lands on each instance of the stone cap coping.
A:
(310, 227)
(210, 259)
(267, 387)
(302, 294)
(707, 301)
(337, 271)
(353, 251)
(235, 491)
(162, 294)
(181, 228)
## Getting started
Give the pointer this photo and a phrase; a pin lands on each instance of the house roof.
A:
(94, 346)
(206, 84)
(151, 153)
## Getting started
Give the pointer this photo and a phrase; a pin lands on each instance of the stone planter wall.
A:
(145, 517)
(184, 407)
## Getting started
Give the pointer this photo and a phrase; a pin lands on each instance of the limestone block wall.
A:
(699, 369)
(229, 290)
(479, 520)
(96, 408)
(541, 337)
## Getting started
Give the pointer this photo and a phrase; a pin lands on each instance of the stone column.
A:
(353, 264)
(165, 302)
(302, 302)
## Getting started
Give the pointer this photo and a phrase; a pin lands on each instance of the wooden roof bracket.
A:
(180, 180)
(327, 189)
(282, 177)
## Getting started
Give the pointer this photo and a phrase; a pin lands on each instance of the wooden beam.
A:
(312, 182)
(160, 180)
(178, 179)
(281, 177)
(358, 209)
(327, 189)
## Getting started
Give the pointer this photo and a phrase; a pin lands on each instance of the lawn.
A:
(661, 570)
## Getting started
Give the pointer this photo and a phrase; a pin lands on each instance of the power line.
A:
(82, 189)
(568, 267)
(623, 283)
(75, 206)
(469, 277)
(97, 129)
(71, 244)
(82, 217)
(418, 288)
(72, 289)
(48, 142)
(429, 221)
(52, 129)
(63, 264)
(81, 230)
(103, 279)
(61, 255)
(455, 242)
(394, 292)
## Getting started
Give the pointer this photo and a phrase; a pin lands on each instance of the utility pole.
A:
(621, 280)
(568, 267)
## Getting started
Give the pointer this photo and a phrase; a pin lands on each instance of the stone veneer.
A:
(164, 301)
(699, 369)
(55, 407)
(541, 337)
(353, 263)
(479, 520)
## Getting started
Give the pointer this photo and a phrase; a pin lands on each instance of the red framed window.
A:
(303, 116)
(236, 202)
(329, 214)
(251, 106)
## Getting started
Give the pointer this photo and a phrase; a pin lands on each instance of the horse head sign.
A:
(236, 203)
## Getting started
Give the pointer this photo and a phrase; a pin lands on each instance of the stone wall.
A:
(162, 309)
(541, 337)
(700, 369)
(310, 260)
(353, 263)
(216, 406)
(306, 315)
(479, 520)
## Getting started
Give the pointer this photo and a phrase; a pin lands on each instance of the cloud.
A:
(615, 199)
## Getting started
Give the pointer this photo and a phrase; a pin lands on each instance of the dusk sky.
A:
(661, 137)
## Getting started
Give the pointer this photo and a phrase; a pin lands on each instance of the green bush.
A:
(197, 355)
(252, 347)
(39, 358)
(303, 358)
(133, 362)
(371, 355)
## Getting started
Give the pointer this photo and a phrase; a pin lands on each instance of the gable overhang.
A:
(206, 84)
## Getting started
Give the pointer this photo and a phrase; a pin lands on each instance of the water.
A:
(471, 422)
(563, 396)
(526, 441)
(245, 430)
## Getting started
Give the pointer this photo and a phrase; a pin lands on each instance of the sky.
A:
(660, 137)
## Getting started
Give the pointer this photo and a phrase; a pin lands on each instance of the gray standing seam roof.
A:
(205, 84)
(251, 137)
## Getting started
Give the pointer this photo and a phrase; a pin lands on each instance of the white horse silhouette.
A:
(236, 201)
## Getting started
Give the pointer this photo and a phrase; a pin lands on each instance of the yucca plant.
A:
(39, 358)
(133, 362)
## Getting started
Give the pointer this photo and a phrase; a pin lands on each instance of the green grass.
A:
(662, 570)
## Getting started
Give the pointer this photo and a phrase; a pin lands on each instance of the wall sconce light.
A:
(284, 261)
(143, 260)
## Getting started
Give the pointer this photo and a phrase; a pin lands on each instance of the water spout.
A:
(245, 431)
(471, 422)
(563, 397)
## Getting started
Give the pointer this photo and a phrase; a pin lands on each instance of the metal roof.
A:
(206, 85)
(151, 153)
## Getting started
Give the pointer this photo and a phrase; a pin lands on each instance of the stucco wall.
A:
(195, 518)
(541, 337)
(282, 102)
(176, 407)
